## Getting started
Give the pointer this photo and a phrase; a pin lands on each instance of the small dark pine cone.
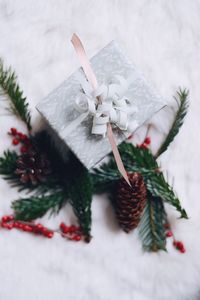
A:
(33, 167)
(130, 201)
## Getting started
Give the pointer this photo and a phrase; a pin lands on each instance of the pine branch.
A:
(182, 100)
(80, 197)
(160, 188)
(105, 177)
(151, 226)
(28, 209)
(156, 182)
(17, 104)
(8, 163)
(141, 160)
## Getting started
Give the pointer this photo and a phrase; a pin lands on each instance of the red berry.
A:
(179, 245)
(143, 146)
(26, 228)
(50, 234)
(16, 224)
(66, 230)
(147, 140)
(9, 226)
(76, 238)
(15, 142)
(13, 131)
(72, 228)
(45, 231)
(4, 225)
(20, 134)
(169, 234)
(62, 226)
(20, 225)
(23, 137)
(39, 227)
(182, 250)
(5, 219)
(23, 149)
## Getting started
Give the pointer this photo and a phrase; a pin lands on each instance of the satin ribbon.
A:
(85, 63)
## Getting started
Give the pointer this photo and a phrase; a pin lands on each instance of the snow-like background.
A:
(163, 39)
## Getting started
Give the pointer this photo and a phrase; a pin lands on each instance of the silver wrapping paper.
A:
(58, 107)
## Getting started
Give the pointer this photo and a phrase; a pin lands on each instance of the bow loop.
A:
(113, 107)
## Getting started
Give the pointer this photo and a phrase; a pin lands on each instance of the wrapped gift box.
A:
(59, 110)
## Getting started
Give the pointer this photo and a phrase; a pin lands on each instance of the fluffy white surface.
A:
(162, 38)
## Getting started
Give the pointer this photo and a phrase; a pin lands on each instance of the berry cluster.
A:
(146, 143)
(20, 138)
(8, 222)
(70, 232)
(177, 244)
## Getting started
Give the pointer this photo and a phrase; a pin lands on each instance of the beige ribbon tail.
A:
(85, 63)
(116, 154)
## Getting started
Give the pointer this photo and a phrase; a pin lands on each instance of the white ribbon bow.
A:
(113, 106)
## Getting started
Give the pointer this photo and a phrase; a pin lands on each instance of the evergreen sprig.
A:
(80, 197)
(105, 176)
(17, 102)
(34, 207)
(139, 160)
(151, 226)
(72, 181)
(156, 182)
(183, 104)
(8, 164)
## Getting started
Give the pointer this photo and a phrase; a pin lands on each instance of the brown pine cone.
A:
(33, 167)
(130, 201)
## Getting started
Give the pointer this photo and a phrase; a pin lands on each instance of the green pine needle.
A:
(105, 177)
(80, 197)
(17, 104)
(151, 226)
(160, 188)
(8, 163)
(182, 100)
(28, 209)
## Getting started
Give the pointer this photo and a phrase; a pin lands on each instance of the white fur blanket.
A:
(163, 39)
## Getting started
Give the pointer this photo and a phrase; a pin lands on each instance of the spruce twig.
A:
(80, 196)
(182, 100)
(137, 160)
(156, 182)
(17, 102)
(28, 209)
(8, 164)
(151, 226)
